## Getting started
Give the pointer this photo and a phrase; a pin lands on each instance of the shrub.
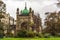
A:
(39, 35)
(57, 34)
(48, 35)
(30, 34)
(25, 33)
(22, 33)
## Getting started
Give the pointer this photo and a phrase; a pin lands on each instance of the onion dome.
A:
(25, 11)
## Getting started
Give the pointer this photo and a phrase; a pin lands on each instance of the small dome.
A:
(25, 12)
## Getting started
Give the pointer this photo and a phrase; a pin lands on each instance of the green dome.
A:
(25, 12)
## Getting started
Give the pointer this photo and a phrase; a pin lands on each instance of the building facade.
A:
(25, 19)
(8, 21)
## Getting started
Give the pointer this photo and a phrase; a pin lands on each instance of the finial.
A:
(17, 9)
(25, 5)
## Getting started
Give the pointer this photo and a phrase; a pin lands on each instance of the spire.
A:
(30, 9)
(18, 11)
(25, 5)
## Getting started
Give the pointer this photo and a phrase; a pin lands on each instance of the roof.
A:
(25, 12)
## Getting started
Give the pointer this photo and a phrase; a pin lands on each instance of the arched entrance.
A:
(24, 25)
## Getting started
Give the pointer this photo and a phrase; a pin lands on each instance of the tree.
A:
(1, 26)
(52, 21)
(1, 16)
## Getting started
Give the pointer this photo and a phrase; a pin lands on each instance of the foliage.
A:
(52, 23)
(22, 33)
(47, 35)
(1, 29)
(1, 16)
(1, 26)
(30, 34)
(40, 35)
(25, 33)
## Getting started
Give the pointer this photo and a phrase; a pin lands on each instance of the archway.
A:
(24, 25)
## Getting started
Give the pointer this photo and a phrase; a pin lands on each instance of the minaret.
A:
(17, 11)
(30, 9)
(17, 19)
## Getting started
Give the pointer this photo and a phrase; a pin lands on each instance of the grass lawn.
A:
(29, 38)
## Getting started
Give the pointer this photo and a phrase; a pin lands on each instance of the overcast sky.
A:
(39, 6)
